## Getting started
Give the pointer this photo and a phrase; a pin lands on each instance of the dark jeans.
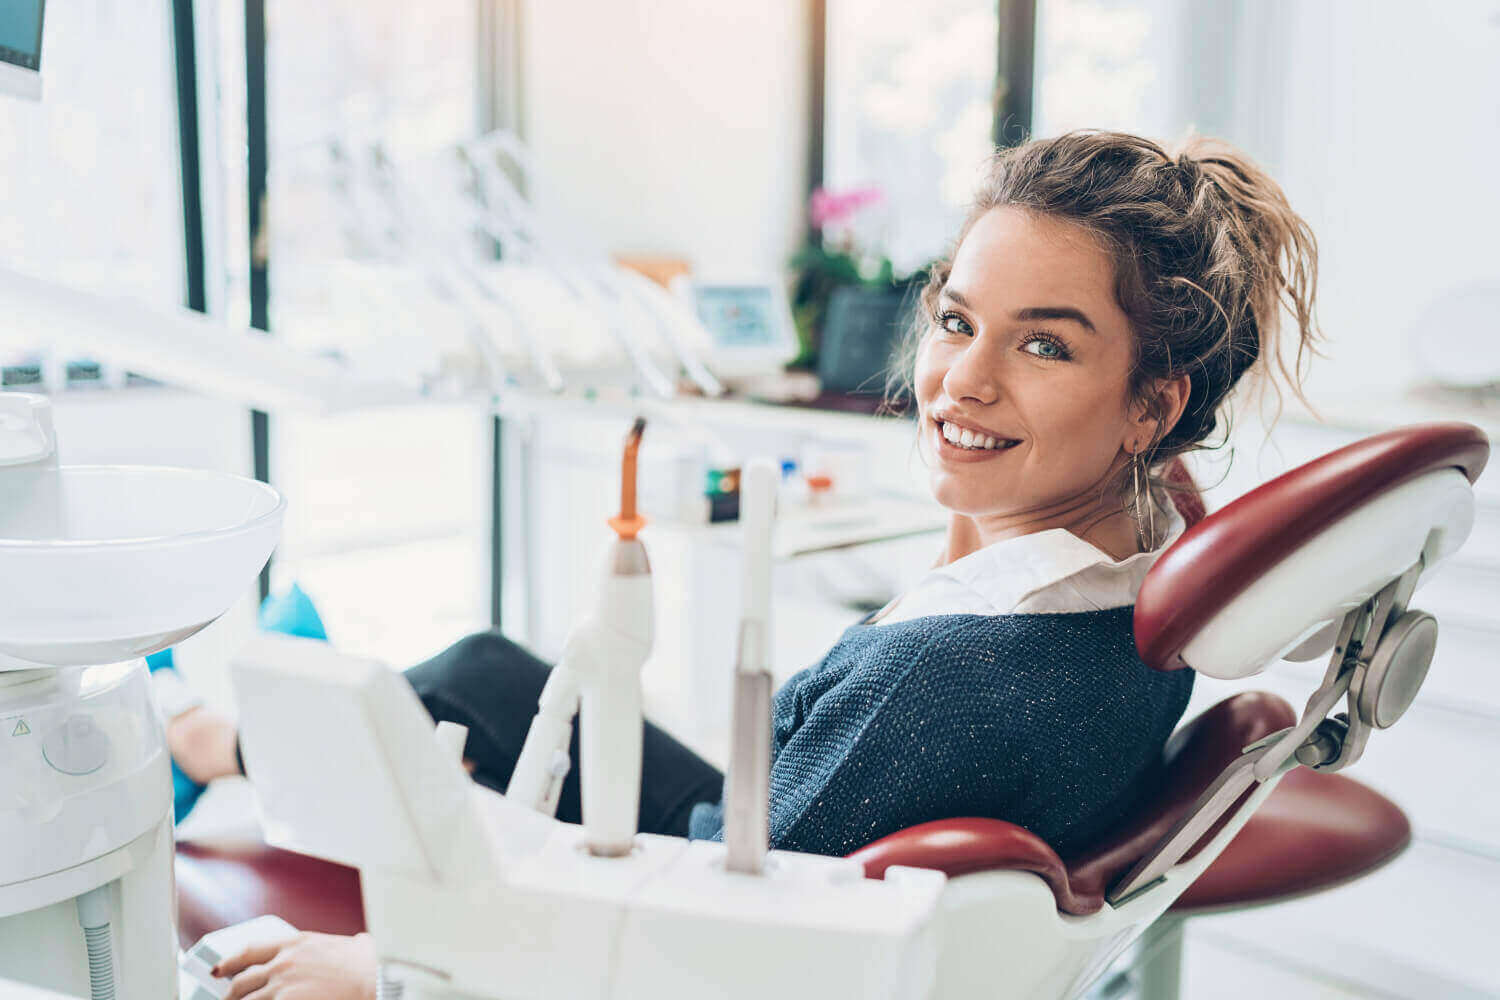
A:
(491, 685)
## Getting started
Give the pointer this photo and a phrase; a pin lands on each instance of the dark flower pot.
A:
(861, 332)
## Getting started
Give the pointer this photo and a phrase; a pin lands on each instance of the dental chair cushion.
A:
(1315, 831)
(227, 882)
(1197, 754)
(1217, 559)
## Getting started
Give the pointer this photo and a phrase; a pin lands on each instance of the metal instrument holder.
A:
(1378, 662)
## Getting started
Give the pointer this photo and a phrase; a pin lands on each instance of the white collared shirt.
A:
(1045, 572)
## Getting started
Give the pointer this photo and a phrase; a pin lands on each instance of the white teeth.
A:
(968, 439)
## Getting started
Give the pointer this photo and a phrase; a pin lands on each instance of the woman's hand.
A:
(306, 967)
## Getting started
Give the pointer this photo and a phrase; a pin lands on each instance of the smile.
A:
(963, 437)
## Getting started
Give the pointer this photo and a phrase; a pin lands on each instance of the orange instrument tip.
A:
(627, 524)
(627, 527)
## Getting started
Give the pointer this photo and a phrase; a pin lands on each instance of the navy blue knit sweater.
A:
(1049, 721)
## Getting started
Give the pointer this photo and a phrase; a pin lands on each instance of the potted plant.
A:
(848, 302)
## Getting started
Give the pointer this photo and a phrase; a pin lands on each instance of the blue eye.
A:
(1047, 347)
(948, 320)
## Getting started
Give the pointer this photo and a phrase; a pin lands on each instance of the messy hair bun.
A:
(1207, 253)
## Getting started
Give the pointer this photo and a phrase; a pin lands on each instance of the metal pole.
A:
(184, 42)
(1159, 964)
(260, 241)
(1015, 67)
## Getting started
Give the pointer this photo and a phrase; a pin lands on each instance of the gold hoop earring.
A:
(1145, 523)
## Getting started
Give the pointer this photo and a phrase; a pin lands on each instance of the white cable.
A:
(575, 262)
(387, 987)
(407, 205)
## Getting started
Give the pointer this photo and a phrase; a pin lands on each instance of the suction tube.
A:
(93, 917)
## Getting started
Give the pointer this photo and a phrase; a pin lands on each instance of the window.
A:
(909, 109)
(89, 175)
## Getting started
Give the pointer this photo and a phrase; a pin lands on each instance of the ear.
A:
(1155, 416)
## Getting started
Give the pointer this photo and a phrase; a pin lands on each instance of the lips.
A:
(970, 437)
(951, 454)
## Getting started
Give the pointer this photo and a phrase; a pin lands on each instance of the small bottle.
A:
(819, 490)
(792, 492)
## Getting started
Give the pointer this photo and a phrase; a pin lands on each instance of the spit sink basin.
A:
(105, 563)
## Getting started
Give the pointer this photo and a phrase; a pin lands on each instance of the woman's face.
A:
(1022, 377)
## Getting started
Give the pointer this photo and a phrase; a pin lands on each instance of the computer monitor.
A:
(21, 48)
(750, 322)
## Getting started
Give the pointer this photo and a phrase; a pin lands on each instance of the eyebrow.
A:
(1033, 313)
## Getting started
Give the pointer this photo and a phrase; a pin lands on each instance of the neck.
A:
(1106, 527)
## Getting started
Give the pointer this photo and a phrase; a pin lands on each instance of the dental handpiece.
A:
(747, 798)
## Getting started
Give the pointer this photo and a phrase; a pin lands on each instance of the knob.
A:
(77, 746)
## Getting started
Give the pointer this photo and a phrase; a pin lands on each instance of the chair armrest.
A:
(963, 846)
(220, 883)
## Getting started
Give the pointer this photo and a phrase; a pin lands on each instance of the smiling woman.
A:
(1029, 347)
(1104, 299)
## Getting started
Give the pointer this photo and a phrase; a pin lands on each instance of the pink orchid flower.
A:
(832, 208)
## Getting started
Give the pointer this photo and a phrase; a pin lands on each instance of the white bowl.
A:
(103, 563)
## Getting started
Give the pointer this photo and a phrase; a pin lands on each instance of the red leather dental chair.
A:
(1249, 810)
(1325, 557)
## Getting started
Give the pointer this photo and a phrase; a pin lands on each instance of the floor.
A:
(1423, 927)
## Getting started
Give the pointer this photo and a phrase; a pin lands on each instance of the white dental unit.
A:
(99, 566)
(471, 893)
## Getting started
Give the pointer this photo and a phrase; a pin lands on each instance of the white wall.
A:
(673, 126)
(1380, 121)
(1387, 144)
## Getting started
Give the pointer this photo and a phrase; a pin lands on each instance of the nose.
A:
(975, 373)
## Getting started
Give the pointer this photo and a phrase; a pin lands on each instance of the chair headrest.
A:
(1278, 568)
